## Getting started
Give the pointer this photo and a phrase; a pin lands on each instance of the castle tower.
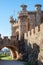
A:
(12, 21)
(23, 21)
(38, 14)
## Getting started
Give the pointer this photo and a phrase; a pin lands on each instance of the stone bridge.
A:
(13, 44)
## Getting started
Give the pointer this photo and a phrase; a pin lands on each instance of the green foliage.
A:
(5, 57)
(0, 59)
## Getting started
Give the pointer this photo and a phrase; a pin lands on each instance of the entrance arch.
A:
(13, 52)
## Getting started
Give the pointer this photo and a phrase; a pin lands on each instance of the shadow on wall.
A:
(32, 54)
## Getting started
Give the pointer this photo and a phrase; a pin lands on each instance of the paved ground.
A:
(7, 62)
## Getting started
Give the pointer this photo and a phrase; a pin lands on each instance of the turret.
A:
(22, 19)
(24, 8)
(38, 7)
(12, 21)
(23, 12)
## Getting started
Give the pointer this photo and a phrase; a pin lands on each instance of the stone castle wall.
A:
(36, 37)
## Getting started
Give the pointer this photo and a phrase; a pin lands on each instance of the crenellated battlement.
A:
(23, 14)
(35, 35)
(7, 41)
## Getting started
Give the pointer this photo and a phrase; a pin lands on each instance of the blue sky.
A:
(11, 7)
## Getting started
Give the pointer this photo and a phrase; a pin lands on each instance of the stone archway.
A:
(13, 51)
(12, 44)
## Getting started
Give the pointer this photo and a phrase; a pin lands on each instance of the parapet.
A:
(34, 31)
(22, 14)
(5, 37)
(13, 38)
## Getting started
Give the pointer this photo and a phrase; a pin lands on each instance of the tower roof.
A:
(38, 5)
(23, 5)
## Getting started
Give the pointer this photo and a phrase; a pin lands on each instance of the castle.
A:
(29, 27)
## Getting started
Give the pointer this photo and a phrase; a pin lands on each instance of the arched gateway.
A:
(12, 45)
